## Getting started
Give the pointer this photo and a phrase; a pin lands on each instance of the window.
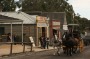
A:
(2, 30)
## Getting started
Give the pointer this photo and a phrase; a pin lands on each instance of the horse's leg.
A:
(59, 48)
(54, 48)
(70, 49)
(67, 50)
(64, 49)
(74, 49)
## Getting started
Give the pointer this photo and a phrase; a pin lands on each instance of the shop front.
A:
(55, 29)
(42, 28)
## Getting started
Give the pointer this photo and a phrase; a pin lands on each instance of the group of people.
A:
(44, 42)
(9, 38)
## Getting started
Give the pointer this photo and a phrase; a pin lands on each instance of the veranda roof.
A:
(6, 19)
(27, 19)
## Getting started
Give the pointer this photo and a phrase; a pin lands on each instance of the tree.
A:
(7, 5)
(49, 6)
(44, 5)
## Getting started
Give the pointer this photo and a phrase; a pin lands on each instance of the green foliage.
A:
(7, 5)
(83, 23)
(49, 6)
(44, 5)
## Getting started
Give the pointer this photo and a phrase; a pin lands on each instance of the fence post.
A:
(31, 46)
(11, 49)
(23, 47)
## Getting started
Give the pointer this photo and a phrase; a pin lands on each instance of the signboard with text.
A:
(41, 21)
(56, 24)
(32, 41)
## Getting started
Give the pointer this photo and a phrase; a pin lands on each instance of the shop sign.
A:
(41, 21)
(65, 27)
(32, 41)
(56, 23)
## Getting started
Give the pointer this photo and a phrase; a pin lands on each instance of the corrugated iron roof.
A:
(6, 19)
(27, 19)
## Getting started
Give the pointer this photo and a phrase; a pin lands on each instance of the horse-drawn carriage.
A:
(71, 40)
(76, 35)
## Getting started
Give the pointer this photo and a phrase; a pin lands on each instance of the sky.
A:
(82, 7)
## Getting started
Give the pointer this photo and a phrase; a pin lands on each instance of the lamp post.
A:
(65, 26)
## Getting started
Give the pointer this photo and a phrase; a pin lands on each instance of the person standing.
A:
(41, 41)
(44, 42)
(8, 37)
(47, 42)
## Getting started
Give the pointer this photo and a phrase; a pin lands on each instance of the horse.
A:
(72, 44)
(80, 44)
(57, 46)
(69, 42)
